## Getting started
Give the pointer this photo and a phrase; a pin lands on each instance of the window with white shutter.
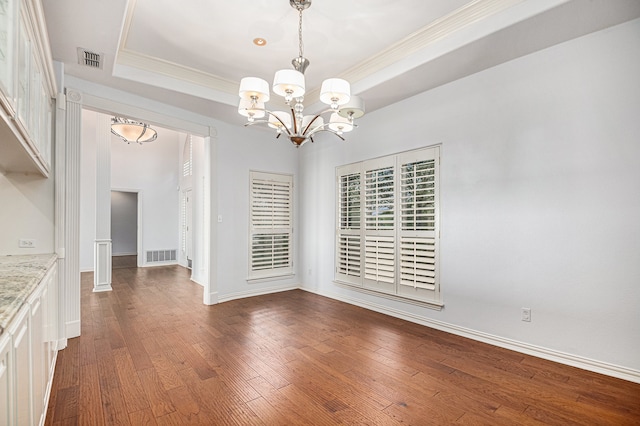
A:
(348, 233)
(379, 234)
(396, 198)
(271, 223)
(187, 157)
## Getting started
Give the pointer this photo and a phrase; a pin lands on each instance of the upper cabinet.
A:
(27, 88)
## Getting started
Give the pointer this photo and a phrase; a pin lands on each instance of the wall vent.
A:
(89, 59)
(161, 256)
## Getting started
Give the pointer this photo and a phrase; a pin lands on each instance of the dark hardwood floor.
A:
(128, 261)
(152, 353)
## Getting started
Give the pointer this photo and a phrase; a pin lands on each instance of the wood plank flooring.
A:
(151, 353)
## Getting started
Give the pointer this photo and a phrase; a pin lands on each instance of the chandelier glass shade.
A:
(132, 131)
(342, 107)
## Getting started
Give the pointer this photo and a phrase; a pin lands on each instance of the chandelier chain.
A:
(300, 44)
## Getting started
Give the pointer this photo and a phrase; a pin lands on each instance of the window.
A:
(387, 225)
(271, 223)
(187, 157)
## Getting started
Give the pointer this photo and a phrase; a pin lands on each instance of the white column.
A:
(102, 245)
(60, 213)
(73, 127)
(210, 293)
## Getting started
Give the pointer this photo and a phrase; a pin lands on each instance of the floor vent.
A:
(89, 59)
(161, 256)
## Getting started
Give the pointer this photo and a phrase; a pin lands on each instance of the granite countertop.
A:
(19, 276)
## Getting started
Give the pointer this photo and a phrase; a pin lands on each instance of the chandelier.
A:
(132, 131)
(289, 83)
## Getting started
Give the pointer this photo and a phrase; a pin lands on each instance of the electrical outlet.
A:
(26, 243)
(526, 314)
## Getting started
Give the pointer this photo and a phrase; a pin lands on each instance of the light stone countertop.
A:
(19, 276)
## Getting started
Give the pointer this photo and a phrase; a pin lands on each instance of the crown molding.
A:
(150, 64)
(176, 71)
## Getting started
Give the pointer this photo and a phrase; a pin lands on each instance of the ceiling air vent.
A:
(89, 59)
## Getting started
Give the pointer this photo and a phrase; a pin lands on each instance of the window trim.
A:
(429, 262)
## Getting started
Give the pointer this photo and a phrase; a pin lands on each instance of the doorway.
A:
(187, 227)
(124, 229)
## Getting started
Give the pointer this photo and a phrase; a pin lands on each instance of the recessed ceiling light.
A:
(259, 41)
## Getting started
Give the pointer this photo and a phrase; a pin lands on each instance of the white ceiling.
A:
(193, 53)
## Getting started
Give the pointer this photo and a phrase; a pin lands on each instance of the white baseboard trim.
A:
(102, 288)
(124, 254)
(72, 329)
(260, 292)
(86, 269)
(596, 366)
(61, 344)
(211, 298)
(154, 264)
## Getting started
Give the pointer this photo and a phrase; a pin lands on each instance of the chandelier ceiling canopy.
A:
(132, 131)
(290, 84)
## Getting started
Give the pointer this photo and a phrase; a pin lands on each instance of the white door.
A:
(188, 227)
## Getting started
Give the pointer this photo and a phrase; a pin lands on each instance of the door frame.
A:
(139, 262)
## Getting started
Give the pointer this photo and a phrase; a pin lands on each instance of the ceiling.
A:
(193, 53)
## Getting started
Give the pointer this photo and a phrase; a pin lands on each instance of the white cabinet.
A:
(27, 87)
(6, 401)
(28, 349)
(19, 330)
(50, 331)
(7, 53)
(36, 344)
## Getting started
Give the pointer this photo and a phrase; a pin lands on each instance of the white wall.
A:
(540, 196)
(151, 170)
(124, 223)
(240, 150)
(26, 211)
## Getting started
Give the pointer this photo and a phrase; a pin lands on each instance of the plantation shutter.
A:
(379, 235)
(418, 248)
(271, 225)
(387, 233)
(349, 229)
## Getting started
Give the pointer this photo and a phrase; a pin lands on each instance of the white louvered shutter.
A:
(419, 223)
(379, 235)
(349, 229)
(387, 232)
(271, 225)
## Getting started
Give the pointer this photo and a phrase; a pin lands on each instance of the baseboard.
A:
(72, 329)
(588, 364)
(211, 298)
(260, 292)
(124, 254)
(154, 264)
(61, 344)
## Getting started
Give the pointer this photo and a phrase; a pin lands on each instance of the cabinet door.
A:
(22, 77)
(6, 403)
(44, 129)
(7, 50)
(19, 331)
(38, 380)
(35, 85)
(51, 322)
